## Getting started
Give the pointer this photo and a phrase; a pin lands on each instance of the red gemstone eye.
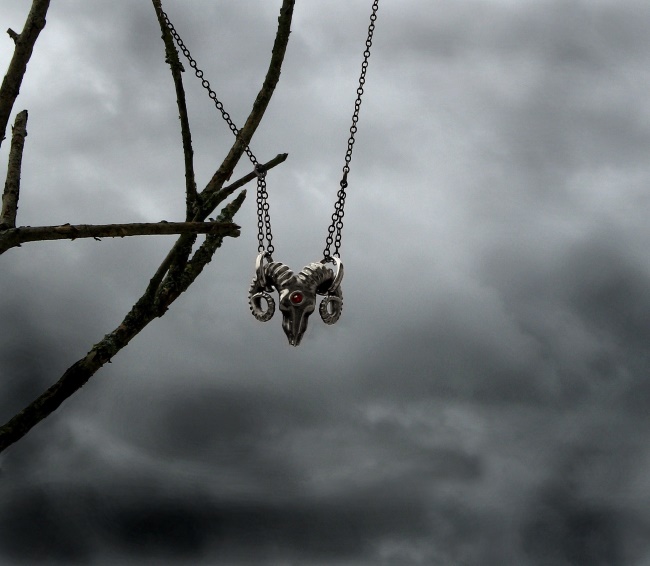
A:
(296, 297)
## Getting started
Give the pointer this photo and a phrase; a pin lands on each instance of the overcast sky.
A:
(484, 398)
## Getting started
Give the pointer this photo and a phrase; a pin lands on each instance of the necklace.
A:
(297, 292)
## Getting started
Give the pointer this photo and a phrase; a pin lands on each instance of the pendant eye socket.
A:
(296, 298)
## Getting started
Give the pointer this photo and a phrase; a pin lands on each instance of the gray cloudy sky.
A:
(484, 398)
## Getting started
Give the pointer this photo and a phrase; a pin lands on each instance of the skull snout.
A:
(296, 305)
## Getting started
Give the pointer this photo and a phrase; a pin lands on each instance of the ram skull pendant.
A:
(297, 294)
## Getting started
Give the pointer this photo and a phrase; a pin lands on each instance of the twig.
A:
(175, 284)
(215, 198)
(171, 57)
(13, 35)
(12, 185)
(22, 52)
(204, 254)
(17, 236)
(259, 106)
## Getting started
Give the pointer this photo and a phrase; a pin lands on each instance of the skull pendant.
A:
(297, 294)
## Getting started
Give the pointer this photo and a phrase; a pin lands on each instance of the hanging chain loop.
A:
(265, 237)
(336, 227)
(263, 216)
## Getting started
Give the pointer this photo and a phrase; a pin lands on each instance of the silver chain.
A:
(263, 216)
(336, 227)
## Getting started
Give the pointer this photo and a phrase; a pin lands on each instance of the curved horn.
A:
(259, 312)
(274, 274)
(258, 291)
(336, 283)
(317, 276)
(278, 274)
(331, 307)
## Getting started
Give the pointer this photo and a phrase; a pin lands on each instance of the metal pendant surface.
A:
(297, 294)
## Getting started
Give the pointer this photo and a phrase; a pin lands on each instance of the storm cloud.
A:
(483, 399)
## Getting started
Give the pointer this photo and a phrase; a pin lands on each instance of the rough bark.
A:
(14, 237)
(176, 67)
(24, 45)
(261, 102)
(76, 376)
(12, 184)
(177, 271)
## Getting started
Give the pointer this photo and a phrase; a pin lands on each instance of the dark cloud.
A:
(573, 518)
(483, 399)
(72, 523)
(610, 292)
(562, 531)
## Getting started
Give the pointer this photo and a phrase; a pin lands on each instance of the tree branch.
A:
(12, 185)
(177, 283)
(76, 376)
(161, 291)
(210, 205)
(171, 57)
(18, 65)
(259, 106)
(146, 309)
(215, 198)
(16, 236)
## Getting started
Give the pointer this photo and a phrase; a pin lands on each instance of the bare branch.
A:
(171, 57)
(176, 283)
(216, 198)
(17, 236)
(179, 254)
(76, 376)
(18, 65)
(141, 314)
(12, 185)
(204, 254)
(180, 247)
(259, 106)
(180, 273)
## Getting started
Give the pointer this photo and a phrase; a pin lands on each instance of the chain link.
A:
(263, 216)
(336, 227)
